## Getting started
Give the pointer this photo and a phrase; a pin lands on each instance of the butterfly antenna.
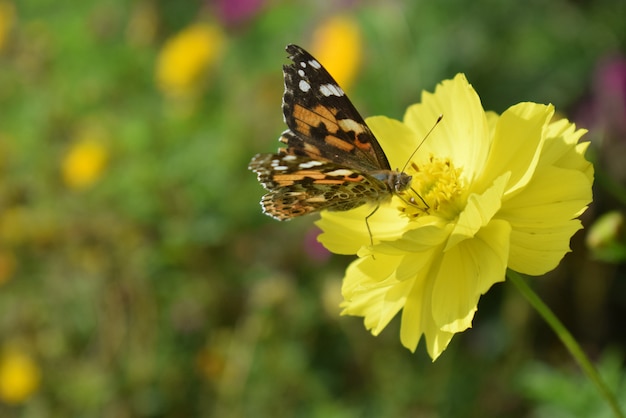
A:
(420, 144)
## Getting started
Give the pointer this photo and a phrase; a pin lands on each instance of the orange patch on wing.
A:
(325, 113)
(312, 151)
(313, 117)
(330, 181)
(338, 143)
(303, 127)
(288, 179)
(364, 146)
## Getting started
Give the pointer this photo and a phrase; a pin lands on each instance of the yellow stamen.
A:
(439, 184)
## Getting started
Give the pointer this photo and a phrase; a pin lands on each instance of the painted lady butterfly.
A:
(331, 160)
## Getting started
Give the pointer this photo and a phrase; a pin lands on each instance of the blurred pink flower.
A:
(605, 113)
(610, 95)
(313, 248)
(233, 12)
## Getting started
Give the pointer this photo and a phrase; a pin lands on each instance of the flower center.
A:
(436, 188)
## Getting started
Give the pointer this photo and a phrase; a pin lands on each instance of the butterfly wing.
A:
(323, 123)
(299, 185)
(331, 159)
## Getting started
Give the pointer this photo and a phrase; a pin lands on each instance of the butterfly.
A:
(331, 160)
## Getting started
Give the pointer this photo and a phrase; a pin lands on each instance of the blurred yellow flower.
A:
(142, 23)
(84, 163)
(7, 18)
(185, 59)
(338, 43)
(502, 191)
(8, 263)
(19, 376)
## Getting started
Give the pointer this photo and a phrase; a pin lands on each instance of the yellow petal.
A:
(396, 138)
(417, 320)
(463, 133)
(467, 271)
(562, 143)
(417, 313)
(535, 251)
(370, 290)
(543, 213)
(437, 342)
(346, 232)
(517, 144)
(478, 211)
(342, 234)
(417, 240)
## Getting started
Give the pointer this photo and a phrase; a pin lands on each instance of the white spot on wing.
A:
(301, 73)
(304, 86)
(303, 64)
(340, 172)
(311, 164)
(331, 90)
(350, 125)
(315, 64)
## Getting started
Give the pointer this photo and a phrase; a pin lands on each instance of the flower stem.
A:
(566, 338)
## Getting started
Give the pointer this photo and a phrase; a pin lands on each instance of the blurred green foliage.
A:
(563, 393)
(161, 289)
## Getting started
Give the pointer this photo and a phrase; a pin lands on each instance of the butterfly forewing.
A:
(323, 121)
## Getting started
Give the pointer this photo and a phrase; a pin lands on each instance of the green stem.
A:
(566, 338)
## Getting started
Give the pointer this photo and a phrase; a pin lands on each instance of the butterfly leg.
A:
(367, 224)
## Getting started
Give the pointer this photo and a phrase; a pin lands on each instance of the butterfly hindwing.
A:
(299, 185)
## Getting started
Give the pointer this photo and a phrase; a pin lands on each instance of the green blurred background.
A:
(138, 276)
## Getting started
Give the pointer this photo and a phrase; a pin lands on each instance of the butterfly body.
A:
(331, 159)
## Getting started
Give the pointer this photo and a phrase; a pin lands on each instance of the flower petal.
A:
(346, 232)
(478, 211)
(417, 313)
(535, 251)
(463, 129)
(467, 271)
(397, 139)
(543, 214)
(370, 290)
(343, 234)
(516, 146)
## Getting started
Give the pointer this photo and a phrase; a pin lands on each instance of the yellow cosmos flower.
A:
(184, 60)
(338, 43)
(19, 376)
(502, 190)
(84, 163)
